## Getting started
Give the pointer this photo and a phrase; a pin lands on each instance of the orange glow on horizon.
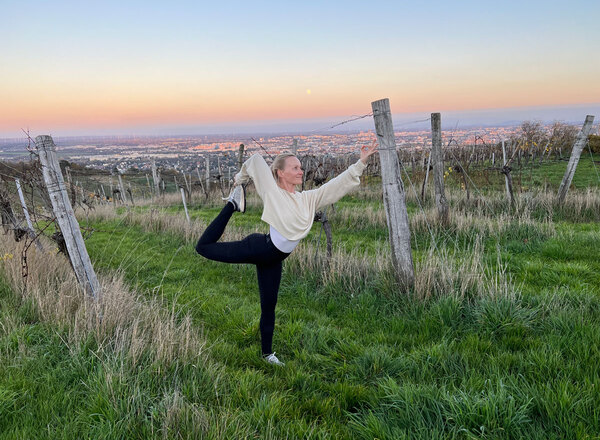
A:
(125, 106)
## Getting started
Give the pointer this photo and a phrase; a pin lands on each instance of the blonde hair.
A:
(279, 163)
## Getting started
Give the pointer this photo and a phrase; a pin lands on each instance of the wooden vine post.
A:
(240, 157)
(207, 186)
(506, 169)
(65, 217)
(220, 175)
(187, 215)
(155, 178)
(574, 159)
(426, 177)
(438, 168)
(188, 185)
(200, 182)
(121, 189)
(393, 194)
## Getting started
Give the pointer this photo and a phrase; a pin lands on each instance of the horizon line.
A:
(488, 117)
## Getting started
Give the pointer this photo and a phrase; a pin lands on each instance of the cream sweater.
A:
(290, 214)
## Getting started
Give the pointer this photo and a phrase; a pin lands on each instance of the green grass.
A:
(369, 365)
(52, 387)
(552, 173)
(528, 176)
(363, 362)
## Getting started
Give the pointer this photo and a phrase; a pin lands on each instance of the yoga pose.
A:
(290, 215)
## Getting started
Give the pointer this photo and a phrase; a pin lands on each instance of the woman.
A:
(290, 216)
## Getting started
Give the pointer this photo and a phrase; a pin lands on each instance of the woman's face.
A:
(292, 172)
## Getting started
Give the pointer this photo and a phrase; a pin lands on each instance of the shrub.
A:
(594, 142)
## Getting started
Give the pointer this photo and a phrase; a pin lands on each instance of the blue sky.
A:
(77, 66)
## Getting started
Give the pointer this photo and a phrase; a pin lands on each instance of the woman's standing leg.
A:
(269, 278)
(253, 249)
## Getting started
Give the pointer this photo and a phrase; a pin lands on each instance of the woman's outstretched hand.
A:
(366, 151)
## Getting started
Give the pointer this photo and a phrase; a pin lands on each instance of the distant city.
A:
(187, 153)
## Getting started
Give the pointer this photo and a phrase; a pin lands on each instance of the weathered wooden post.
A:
(188, 185)
(393, 194)
(130, 192)
(240, 156)
(574, 159)
(184, 204)
(112, 191)
(121, 189)
(438, 168)
(207, 185)
(65, 217)
(155, 178)
(426, 177)
(200, 181)
(221, 175)
(507, 177)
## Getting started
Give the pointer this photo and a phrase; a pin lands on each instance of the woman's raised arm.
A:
(256, 168)
(341, 185)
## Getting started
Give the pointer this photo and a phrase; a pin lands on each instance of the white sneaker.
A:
(272, 359)
(237, 196)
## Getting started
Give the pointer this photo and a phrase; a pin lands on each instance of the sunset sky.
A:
(142, 66)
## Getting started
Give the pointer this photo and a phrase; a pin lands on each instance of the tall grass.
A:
(439, 272)
(531, 207)
(123, 321)
(213, 199)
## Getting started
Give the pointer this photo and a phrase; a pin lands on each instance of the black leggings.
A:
(254, 249)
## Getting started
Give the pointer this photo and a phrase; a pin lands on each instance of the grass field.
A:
(498, 340)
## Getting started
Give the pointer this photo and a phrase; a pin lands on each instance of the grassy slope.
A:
(356, 362)
(359, 364)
